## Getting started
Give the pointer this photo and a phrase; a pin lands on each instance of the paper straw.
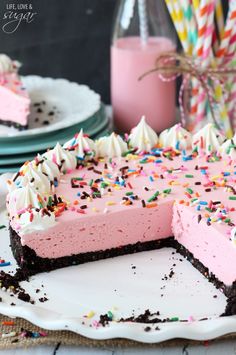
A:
(232, 45)
(181, 21)
(202, 26)
(191, 23)
(189, 14)
(177, 16)
(227, 48)
(219, 18)
(196, 5)
(231, 104)
(230, 23)
(143, 22)
(204, 49)
(194, 23)
(231, 82)
(223, 119)
(199, 97)
(181, 25)
(207, 44)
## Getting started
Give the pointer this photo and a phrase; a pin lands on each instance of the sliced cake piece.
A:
(14, 99)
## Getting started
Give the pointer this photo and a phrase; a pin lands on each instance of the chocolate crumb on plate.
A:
(147, 329)
(104, 319)
(24, 296)
(43, 299)
(146, 317)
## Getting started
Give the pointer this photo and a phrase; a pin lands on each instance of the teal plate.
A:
(25, 138)
(21, 158)
(11, 165)
(49, 141)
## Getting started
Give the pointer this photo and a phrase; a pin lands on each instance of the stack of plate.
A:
(59, 109)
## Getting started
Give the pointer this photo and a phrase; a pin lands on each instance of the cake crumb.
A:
(43, 299)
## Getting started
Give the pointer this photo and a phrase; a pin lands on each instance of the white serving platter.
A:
(126, 286)
(68, 102)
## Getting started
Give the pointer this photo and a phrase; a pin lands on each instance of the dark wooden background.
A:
(68, 38)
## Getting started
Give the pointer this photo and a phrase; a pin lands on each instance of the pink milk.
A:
(151, 96)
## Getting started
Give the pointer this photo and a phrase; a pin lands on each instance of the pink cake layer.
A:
(14, 100)
(107, 226)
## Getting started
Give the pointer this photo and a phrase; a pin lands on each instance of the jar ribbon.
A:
(171, 65)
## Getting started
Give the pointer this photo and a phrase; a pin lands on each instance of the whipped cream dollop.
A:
(24, 198)
(65, 160)
(83, 146)
(46, 167)
(7, 65)
(176, 137)
(143, 137)
(32, 221)
(208, 139)
(228, 149)
(112, 146)
(28, 175)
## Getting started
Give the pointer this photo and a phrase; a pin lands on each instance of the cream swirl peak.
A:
(208, 139)
(65, 160)
(7, 65)
(228, 149)
(28, 175)
(24, 198)
(176, 137)
(143, 137)
(111, 146)
(82, 145)
(46, 167)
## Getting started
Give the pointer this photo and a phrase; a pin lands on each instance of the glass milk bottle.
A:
(142, 31)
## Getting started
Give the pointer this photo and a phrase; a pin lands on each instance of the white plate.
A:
(70, 102)
(114, 285)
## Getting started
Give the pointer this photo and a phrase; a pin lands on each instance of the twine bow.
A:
(171, 65)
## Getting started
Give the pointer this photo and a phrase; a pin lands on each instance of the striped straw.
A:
(177, 16)
(219, 15)
(230, 23)
(227, 48)
(231, 103)
(143, 23)
(207, 55)
(202, 26)
(231, 82)
(196, 5)
(204, 51)
(191, 23)
(207, 45)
